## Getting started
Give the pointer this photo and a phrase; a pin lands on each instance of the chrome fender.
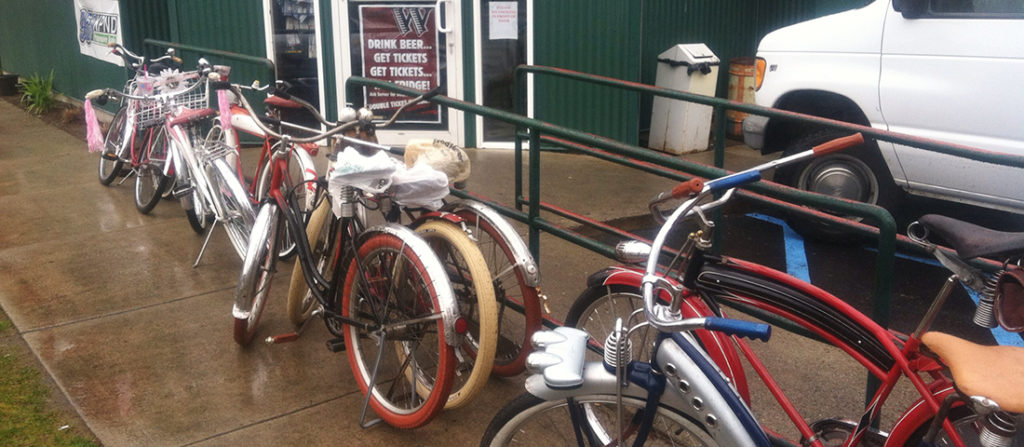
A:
(264, 231)
(519, 248)
(687, 390)
(435, 271)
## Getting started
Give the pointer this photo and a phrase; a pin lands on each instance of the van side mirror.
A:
(911, 9)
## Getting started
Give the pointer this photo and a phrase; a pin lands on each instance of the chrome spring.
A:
(997, 430)
(347, 201)
(984, 315)
(618, 349)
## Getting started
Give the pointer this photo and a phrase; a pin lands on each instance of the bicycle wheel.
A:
(115, 142)
(301, 175)
(529, 420)
(150, 181)
(300, 299)
(387, 287)
(519, 311)
(257, 274)
(238, 212)
(596, 310)
(471, 283)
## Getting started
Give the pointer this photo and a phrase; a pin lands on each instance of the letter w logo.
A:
(411, 19)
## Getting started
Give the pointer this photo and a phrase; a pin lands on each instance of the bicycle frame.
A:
(886, 355)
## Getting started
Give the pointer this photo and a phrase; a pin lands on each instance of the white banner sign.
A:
(99, 23)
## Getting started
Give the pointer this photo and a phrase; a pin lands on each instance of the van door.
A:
(415, 43)
(954, 75)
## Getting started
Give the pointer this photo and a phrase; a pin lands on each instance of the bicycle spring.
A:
(347, 201)
(618, 349)
(997, 430)
(984, 315)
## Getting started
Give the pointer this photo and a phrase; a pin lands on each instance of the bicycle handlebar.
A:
(668, 319)
(94, 94)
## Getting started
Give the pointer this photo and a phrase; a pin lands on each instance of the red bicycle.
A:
(708, 282)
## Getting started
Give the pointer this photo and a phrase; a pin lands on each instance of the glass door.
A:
(293, 37)
(503, 41)
(413, 43)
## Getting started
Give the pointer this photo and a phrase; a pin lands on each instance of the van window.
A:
(978, 8)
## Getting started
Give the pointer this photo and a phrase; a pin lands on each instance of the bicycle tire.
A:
(300, 299)
(511, 292)
(257, 275)
(530, 420)
(113, 146)
(301, 171)
(383, 259)
(474, 293)
(238, 212)
(150, 181)
(596, 310)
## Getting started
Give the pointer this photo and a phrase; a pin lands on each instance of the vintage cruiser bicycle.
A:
(704, 283)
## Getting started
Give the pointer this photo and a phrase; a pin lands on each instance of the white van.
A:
(950, 70)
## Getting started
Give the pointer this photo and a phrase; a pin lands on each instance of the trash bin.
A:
(681, 127)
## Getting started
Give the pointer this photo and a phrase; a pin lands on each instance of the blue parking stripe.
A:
(796, 255)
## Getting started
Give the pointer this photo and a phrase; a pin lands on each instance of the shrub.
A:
(37, 93)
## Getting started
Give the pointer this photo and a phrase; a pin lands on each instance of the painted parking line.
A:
(796, 265)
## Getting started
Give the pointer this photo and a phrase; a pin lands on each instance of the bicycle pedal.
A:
(182, 192)
(336, 345)
(283, 338)
(109, 156)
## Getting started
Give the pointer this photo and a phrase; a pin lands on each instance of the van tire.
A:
(858, 173)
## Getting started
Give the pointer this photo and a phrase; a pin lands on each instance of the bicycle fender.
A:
(717, 345)
(726, 428)
(437, 215)
(917, 415)
(435, 271)
(308, 175)
(512, 239)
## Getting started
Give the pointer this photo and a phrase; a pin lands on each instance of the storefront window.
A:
(503, 47)
(295, 53)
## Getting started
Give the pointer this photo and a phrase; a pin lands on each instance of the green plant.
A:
(37, 93)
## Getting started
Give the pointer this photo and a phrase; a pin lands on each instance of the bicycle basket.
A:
(1010, 299)
(172, 90)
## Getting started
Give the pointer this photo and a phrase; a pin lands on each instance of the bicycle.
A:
(204, 180)
(703, 283)
(378, 289)
(130, 125)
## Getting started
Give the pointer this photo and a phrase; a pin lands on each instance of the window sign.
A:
(99, 24)
(399, 43)
(504, 23)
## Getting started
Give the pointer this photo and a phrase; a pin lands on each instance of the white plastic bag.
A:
(420, 187)
(371, 174)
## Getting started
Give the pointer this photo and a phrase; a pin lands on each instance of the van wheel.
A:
(858, 173)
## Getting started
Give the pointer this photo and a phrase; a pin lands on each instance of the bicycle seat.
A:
(995, 372)
(972, 241)
(280, 102)
(188, 115)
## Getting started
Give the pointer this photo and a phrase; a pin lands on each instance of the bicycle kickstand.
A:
(206, 241)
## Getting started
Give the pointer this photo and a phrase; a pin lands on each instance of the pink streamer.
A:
(92, 128)
(225, 109)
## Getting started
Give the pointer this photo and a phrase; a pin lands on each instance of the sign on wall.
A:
(99, 23)
(399, 44)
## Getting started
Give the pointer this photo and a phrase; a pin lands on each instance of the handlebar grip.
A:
(734, 180)
(95, 93)
(177, 60)
(684, 189)
(111, 44)
(397, 150)
(753, 331)
(838, 144)
(220, 85)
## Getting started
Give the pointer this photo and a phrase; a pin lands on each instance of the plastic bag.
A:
(370, 174)
(420, 187)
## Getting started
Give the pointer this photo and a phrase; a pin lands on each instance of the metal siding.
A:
(228, 25)
(594, 36)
